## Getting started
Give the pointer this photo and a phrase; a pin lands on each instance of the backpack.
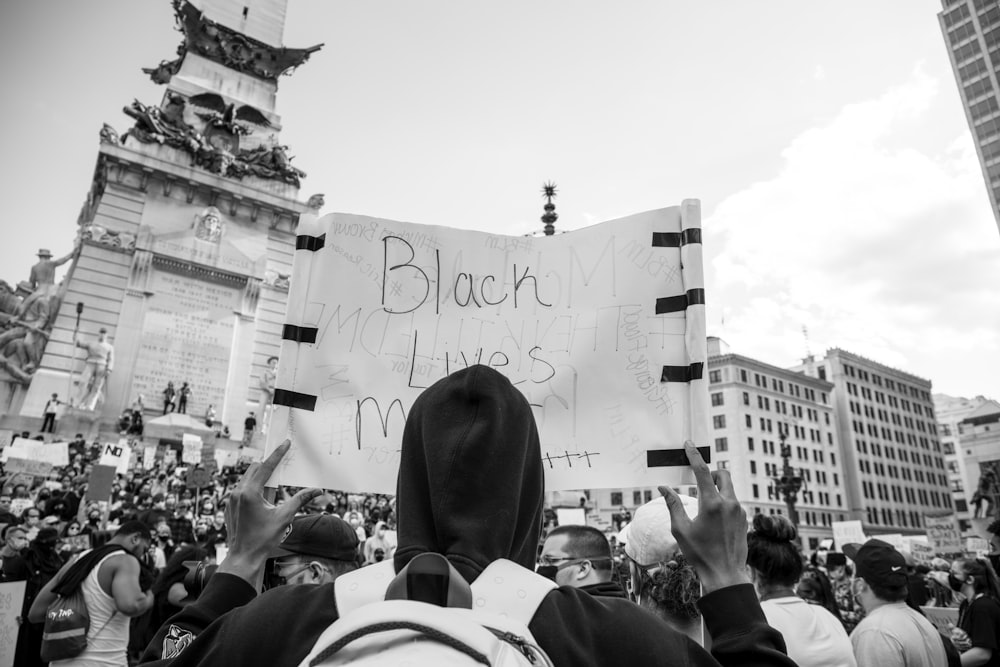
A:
(67, 622)
(429, 615)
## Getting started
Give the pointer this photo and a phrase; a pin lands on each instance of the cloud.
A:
(819, 73)
(875, 246)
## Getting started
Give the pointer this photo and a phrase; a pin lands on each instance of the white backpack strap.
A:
(363, 586)
(509, 590)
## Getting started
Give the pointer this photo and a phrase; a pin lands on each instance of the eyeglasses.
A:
(545, 559)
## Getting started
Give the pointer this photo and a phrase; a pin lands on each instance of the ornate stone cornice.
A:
(233, 49)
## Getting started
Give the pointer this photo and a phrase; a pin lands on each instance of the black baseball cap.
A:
(323, 535)
(878, 563)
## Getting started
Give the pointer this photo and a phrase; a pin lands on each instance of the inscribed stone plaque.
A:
(187, 336)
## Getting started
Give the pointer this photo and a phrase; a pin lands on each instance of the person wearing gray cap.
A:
(315, 549)
(891, 634)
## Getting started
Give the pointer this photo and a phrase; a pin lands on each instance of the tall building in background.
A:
(185, 241)
(893, 460)
(972, 34)
(950, 411)
(752, 403)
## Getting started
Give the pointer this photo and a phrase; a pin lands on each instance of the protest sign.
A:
(117, 456)
(102, 477)
(192, 449)
(602, 329)
(149, 457)
(977, 546)
(943, 618)
(18, 505)
(571, 516)
(55, 454)
(11, 602)
(6, 438)
(208, 461)
(28, 467)
(20, 478)
(198, 478)
(943, 533)
(848, 532)
(77, 542)
(922, 553)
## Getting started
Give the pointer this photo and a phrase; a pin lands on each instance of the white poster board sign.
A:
(11, 602)
(571, 516)
(943, 533)
(117, 456)
(848, 532)
(55, 454)
(6, 438)
(922, 553)
(149, 457)
(192, 449)
(602, 329)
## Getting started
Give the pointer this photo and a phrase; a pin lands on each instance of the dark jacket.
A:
(470, 487)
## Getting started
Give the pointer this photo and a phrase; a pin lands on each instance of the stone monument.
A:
(185, 240)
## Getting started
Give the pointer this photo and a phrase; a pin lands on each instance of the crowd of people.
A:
(211, 575)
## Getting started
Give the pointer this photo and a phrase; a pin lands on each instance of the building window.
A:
(637, 497)
(756, 491)
(717, 398)
(753, 467)
(750, 444)
(714, 377)
(746, 398)
(749, 421)
(721, 445)
(616, 498)
(723, 465)
(647, 495)
(718, 421)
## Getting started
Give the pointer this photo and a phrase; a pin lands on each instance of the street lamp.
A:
(550, 216)
(789, 484)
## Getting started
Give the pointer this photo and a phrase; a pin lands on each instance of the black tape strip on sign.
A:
(311, 243)
(679, 303)
(294, 399)
(676, 239)
(299, 334)
(672, 458)
(683, 373)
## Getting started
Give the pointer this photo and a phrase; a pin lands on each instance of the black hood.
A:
(471, 484)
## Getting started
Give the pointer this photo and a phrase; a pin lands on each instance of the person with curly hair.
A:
(813, 635)
(661, 579)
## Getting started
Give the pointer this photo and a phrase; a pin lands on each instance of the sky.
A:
(839, 186)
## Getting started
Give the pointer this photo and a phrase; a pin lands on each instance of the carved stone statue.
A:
(208, 225)
(42, 278)
(268, 379)
(109, 135)
(97, 367)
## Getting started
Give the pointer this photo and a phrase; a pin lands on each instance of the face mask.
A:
(547, 571)
(955, 583)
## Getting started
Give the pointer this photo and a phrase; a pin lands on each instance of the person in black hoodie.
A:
(470, 487)
(579, 556)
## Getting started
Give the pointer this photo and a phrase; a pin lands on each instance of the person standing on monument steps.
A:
(182, 401)
(168, 398)
(49, 414)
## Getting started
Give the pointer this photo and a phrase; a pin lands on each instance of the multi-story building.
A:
(972, 34)
(950, 411)
(893, 461)
(752, 404)
(979, 438)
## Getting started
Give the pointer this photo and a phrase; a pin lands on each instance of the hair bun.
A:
(774, 527)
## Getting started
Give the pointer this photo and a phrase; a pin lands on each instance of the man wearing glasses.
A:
(315, 549)
(579, 556)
